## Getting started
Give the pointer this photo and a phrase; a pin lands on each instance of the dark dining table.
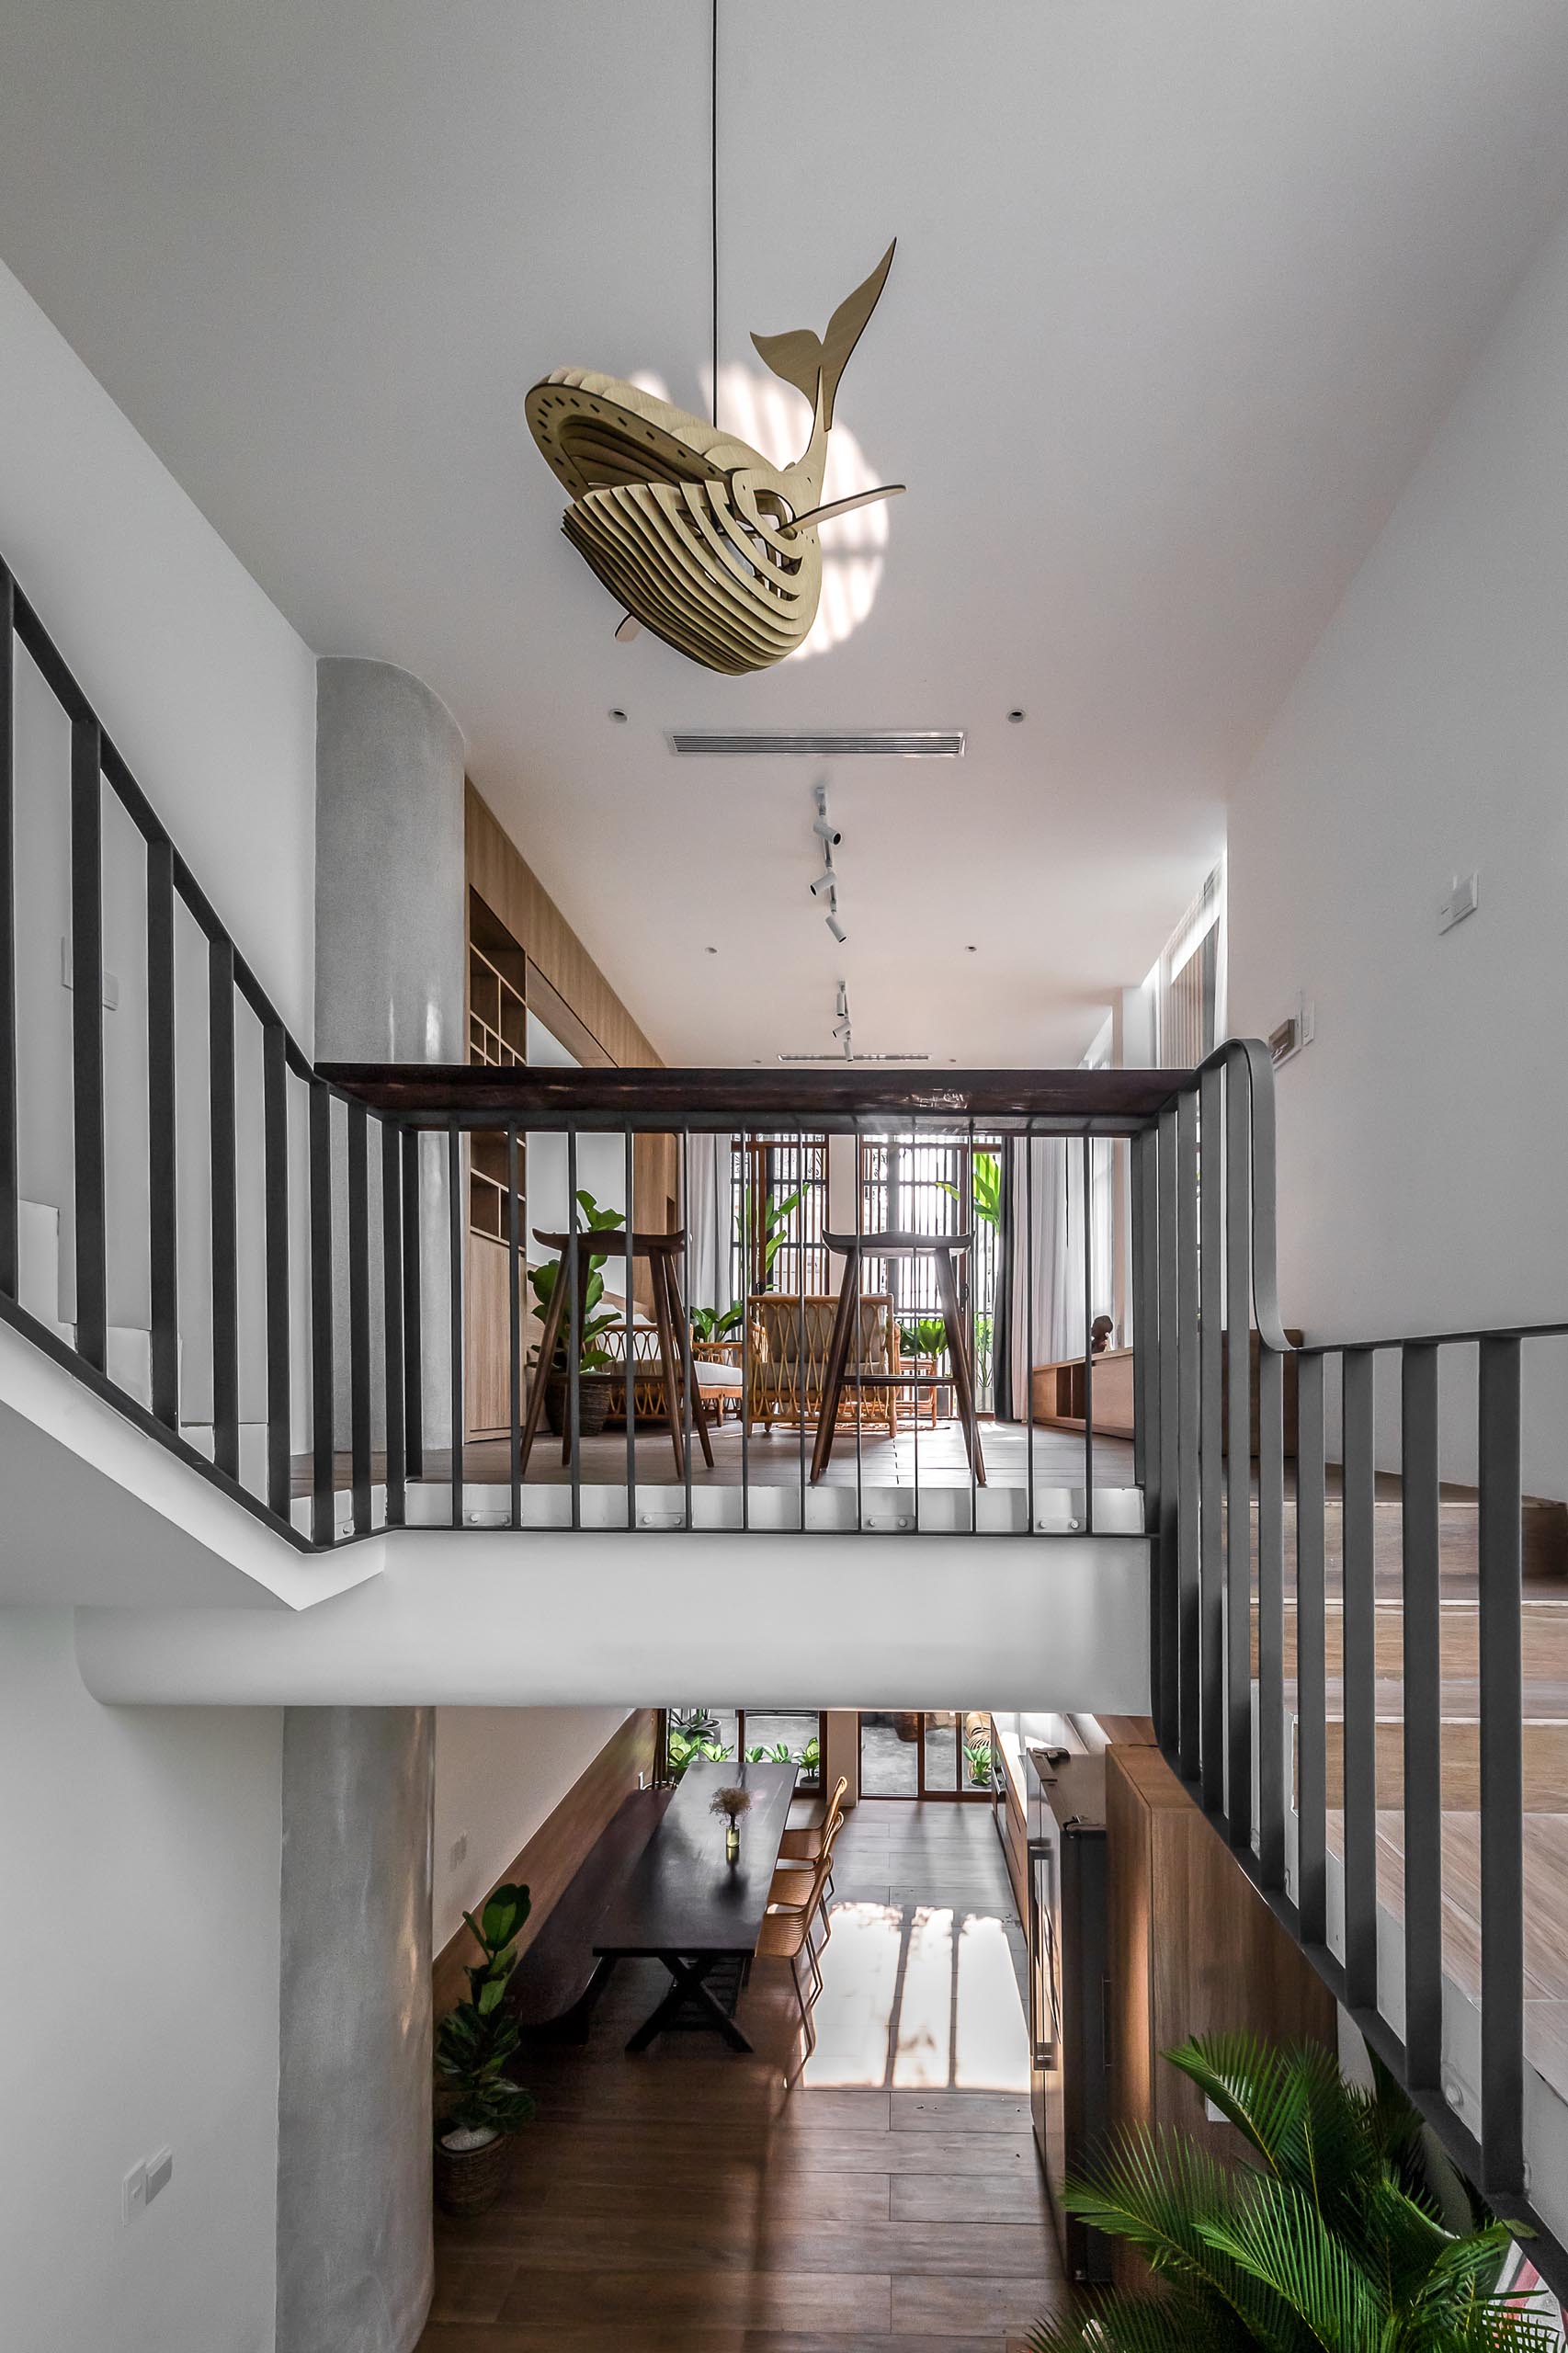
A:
(684, 1904)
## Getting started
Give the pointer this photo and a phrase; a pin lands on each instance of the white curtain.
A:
(710, 1220)
(1046, 1301)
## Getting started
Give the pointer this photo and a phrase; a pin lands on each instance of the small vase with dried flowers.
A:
(731, 1803)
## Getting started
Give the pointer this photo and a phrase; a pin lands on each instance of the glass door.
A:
(928, 1752)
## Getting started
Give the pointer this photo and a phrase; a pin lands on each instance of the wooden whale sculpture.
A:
(698, 536)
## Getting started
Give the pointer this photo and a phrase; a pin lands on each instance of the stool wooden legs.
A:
(963, 1371)
(833, 1372)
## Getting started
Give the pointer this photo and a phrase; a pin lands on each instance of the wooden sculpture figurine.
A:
(698, 536)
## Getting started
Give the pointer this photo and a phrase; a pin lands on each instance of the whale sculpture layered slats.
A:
(694, 533)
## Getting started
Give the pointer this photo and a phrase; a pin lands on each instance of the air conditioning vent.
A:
(854, 1058)
(887, 743)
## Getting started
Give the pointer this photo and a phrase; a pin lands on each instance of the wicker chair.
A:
(789, 1337)
(807, 1844)
(785, 1934)
(805, 1887)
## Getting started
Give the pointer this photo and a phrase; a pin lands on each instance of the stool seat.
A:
(853, 1249)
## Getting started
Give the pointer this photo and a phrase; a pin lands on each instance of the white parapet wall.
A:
(468, 1617)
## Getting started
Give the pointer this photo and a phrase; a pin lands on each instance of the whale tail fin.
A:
(810, 361)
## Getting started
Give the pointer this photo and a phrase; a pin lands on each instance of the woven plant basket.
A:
(470, 2180)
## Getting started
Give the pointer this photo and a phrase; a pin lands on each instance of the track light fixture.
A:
(837, 929)
(826, 885)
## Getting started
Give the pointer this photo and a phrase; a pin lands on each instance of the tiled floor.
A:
(887, 2194)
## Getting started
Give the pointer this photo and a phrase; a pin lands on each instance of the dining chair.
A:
(806, 1889)
(785, 1934)
(805, 1844)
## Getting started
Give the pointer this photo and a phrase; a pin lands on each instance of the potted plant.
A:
(484, 2107)
(598, 1375)
(692, 1733)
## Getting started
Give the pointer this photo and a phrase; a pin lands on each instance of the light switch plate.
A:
(1462, 900)
(159, 2171)
(133, 2193)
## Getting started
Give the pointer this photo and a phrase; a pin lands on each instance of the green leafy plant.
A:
(779, 1753)
(716, 1323)
(591, 1356)
(985, 1182)
(811, 1756)
(775, 1216)
(692, 1733)
(1331, 2241)
(978, 1755)
(922, 1335)
(475, 2040)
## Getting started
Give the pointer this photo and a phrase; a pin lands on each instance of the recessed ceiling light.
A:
(1015, 717)
(973, 950)
(619, 718)
(713, 951)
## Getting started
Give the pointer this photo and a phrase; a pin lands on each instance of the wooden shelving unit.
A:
(497, 1039)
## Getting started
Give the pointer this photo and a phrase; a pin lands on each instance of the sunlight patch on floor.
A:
(923, 2053)
(854, 2011)
(955, 2022)
(991, 2039)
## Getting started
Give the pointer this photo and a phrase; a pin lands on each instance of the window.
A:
(779, 1201)
(1188, 981)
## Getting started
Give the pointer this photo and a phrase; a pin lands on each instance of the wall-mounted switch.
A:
(1462, 901)
(160, 2171)
(133, 2193)
(1298, 1029)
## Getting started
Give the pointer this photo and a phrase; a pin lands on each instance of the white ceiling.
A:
(1181, 292)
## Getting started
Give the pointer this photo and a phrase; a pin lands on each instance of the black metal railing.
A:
(248, 1239)
(1246, 1609)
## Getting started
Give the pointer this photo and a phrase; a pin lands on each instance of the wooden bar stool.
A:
(855, 1248)
(660, 1251)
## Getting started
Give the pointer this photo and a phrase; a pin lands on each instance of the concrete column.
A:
(354, 2253)
(390, 926)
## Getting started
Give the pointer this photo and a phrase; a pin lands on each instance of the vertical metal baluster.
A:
(630, 1344)
(1147, 1449)
(745, 1323)
(275, 1229)
(88, 1040)
(1028, 1325)
(322, 1433)
(514, 1330)
(163, 1158)
(1311, 1705)
(1188, 1620)
(359, 1315)
(457, 1222)
(856, 1343)
(1271, 1798)
(1167, 1693)
(1422, 1635)
(1238, 1457)
(1502, 1773)
(1088, 1194)
(412, 1345)
(571, 1270)
(800, 1365)
(683, 1334)
(1210, 1419)
(224, 1207)
(1360, 1682)
(8, 1162)
(392, 1323)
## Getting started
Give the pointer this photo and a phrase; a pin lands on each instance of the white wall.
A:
(500, 1773)
(206, 689)
(140, 1850)
(211, 696)
(1423, 1134)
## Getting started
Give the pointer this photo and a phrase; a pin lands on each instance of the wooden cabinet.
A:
(1193, 1949)
(1059, 1393)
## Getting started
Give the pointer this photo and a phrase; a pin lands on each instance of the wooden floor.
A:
(884, 2194)
(932, 1459)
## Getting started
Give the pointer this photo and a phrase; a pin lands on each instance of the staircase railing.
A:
(1224, 1715)
(299, 1276)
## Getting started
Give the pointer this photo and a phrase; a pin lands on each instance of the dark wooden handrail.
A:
(1043, 1102)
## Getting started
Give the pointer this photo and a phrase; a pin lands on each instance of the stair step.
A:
(1543, 1528)
(1543, 1638)
(1545, 1764)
